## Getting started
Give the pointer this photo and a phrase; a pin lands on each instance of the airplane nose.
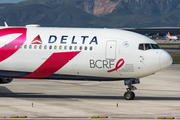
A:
(165, 60)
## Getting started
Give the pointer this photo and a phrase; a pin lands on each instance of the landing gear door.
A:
(111, 50)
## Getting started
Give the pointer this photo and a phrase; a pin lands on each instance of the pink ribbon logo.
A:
(119, 64)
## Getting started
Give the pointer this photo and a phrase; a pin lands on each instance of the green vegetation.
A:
(170, 46)
(168, 43)
(176, 57)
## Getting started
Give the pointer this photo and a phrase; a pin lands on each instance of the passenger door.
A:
(111, 50)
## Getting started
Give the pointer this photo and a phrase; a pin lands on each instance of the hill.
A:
(92, 13)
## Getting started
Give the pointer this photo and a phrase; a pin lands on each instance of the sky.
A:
(10, 1)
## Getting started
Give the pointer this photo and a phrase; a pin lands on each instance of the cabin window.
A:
(55, 47)
(70, 47)
(91, 48)
(30, 46)
(85, 48)
(20, 46)
(60, 47)
(40, 47)
(35, 46)
(25, 46)
(15, 46)
(65, 47)
(10, 46)
(50, 47)
(75, 47)
(5, 46)
(45, 47)
(80, 48)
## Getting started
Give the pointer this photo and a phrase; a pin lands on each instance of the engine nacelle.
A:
(5, 80)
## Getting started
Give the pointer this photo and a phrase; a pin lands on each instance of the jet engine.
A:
(5, 80)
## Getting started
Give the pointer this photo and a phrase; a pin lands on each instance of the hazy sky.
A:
(10, 1)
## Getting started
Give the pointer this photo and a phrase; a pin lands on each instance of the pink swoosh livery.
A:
(55, 62)
(18, 41)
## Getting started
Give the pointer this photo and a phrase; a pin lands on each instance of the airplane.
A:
(91, 54)
(169, 37)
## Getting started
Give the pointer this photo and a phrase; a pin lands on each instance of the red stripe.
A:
(55, 62)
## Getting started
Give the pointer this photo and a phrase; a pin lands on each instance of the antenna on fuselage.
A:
(6, 25)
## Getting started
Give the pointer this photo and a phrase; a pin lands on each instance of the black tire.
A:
(129, 95)
(133, 95)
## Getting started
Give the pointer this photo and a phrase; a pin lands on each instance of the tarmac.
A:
(167, 41)
(157, 95)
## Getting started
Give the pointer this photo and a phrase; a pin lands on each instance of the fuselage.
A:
(78, 54)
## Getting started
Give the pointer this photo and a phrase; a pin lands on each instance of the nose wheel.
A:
(130, 95)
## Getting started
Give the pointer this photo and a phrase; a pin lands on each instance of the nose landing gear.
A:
(129, 94)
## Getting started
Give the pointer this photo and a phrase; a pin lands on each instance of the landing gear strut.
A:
(129, 94)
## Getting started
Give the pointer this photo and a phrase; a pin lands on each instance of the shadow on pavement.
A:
(5, 92)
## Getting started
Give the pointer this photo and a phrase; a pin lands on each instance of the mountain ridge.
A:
(92, 13)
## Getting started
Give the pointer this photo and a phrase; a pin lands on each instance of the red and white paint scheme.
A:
(34, 52)
(169, 37)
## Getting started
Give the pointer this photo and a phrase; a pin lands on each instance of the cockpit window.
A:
(141, 46)
(155, 46)
(147, 46)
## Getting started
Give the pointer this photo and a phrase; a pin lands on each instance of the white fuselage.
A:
(78, 53)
